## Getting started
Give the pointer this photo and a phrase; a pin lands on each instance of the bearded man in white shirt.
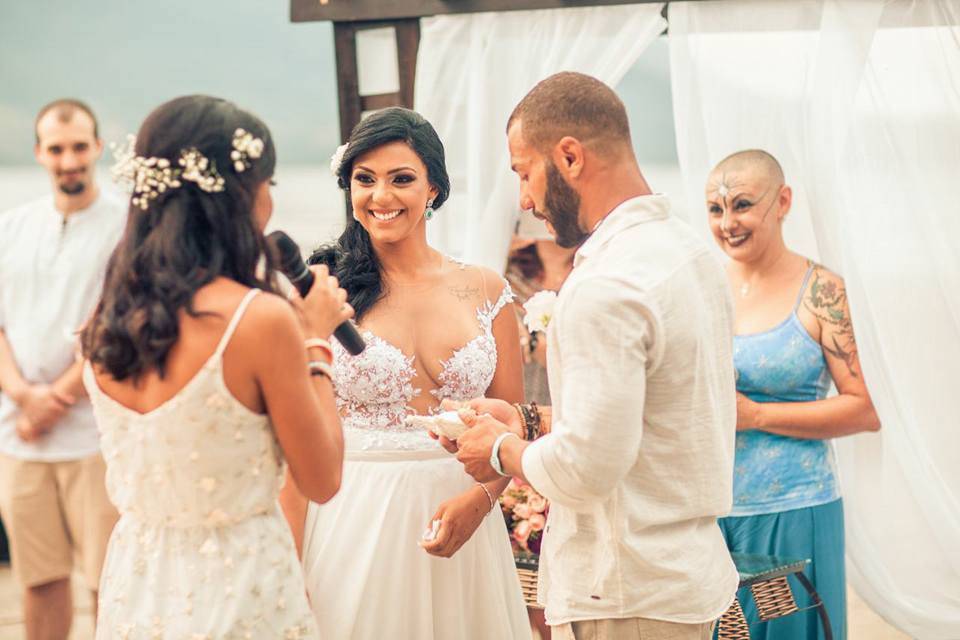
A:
(636, 454)
(53, 253)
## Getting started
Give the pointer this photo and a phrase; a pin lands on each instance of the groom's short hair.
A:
(572, 104)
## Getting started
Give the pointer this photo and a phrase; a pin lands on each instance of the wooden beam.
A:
(408, 43)
(348, 83)
(363, 10)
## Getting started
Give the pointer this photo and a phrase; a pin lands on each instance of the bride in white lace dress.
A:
(435, 329)
(196, 411)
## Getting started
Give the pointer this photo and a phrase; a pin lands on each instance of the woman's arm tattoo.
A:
(827, 301)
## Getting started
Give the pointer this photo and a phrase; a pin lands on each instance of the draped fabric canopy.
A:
(473, 69)
(860, 101)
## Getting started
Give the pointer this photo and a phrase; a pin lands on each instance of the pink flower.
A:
(537, 522)
(522, 511)
(522, 532)
(508, 500)
(538, 504)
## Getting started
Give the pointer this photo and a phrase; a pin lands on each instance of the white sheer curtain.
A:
(860, 100)
(471, 72)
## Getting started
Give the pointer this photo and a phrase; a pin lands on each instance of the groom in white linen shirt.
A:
(638, 461)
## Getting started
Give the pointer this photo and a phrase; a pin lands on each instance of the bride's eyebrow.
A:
(360, 167)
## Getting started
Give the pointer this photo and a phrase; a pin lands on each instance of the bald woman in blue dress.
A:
(793, 338)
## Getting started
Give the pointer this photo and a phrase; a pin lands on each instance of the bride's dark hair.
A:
(352, 259)
(183, 240)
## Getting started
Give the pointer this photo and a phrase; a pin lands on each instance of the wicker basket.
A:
(527, 566)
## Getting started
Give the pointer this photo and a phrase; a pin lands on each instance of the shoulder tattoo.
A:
(827, 301)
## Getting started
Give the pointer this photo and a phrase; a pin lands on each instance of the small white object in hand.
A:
(539, 310)
(431, 534)
(447, 424)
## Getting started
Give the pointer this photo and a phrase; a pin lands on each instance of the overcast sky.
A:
(125, 57)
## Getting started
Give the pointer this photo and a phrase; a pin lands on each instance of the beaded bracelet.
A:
(530, 417)
(523, 418)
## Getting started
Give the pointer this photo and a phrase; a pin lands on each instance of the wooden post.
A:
(352, 104)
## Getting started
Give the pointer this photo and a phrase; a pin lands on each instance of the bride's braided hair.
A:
(352, 258)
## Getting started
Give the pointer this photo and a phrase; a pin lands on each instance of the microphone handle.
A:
(346, 333)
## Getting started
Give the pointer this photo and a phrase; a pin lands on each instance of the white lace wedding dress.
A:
(366, 574)
(201, 550)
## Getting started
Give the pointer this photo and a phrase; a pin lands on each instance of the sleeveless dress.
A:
(201, 550)
(367, 576)
(786, 500)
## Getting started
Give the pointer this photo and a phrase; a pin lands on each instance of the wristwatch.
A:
(495, 452)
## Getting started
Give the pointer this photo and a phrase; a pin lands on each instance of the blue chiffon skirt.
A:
(815, 533)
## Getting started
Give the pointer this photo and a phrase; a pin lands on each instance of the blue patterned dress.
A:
(786, 501)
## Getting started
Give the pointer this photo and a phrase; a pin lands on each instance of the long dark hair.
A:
(183, 240)
(352, 258)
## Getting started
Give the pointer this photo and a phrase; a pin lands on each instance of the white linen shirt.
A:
(51, 275)
(639, 461)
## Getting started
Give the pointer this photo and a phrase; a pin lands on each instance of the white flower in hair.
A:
(337, 158)
(245, 148)
(539, 310)
(149, 177)
(199, 170)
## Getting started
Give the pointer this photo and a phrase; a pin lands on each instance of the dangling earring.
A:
(428, 213)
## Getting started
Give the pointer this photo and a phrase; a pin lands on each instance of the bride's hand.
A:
(459, 517)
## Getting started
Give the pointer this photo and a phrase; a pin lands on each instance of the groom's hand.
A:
(476, 444)
(499, 410)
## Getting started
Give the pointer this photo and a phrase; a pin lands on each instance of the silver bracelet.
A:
(495, 452)
(320, 368)
(489, 495)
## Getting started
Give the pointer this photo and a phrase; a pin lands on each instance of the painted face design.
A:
(739, 206)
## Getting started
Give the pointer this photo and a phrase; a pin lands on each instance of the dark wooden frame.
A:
(351, 16)
(380, 10)
(352, 104)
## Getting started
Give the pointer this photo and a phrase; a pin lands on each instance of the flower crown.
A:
(152, 176)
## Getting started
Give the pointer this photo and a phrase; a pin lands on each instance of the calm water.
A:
(307, 203)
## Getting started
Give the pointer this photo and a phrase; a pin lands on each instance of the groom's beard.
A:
(562, 206)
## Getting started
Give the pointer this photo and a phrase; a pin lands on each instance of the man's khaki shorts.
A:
(631, 629)
(53, 512)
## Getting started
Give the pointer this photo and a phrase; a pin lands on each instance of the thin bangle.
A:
(320, 368)
(320, 343)
(489, 495)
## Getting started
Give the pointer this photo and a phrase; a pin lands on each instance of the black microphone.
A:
(292, 266)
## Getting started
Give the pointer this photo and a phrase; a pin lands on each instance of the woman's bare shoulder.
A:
(473, 282)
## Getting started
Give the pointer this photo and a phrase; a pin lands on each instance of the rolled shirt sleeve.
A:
(606, 334)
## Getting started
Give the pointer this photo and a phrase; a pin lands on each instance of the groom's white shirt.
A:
(639, 463)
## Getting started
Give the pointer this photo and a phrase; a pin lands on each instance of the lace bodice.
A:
(374, 389)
